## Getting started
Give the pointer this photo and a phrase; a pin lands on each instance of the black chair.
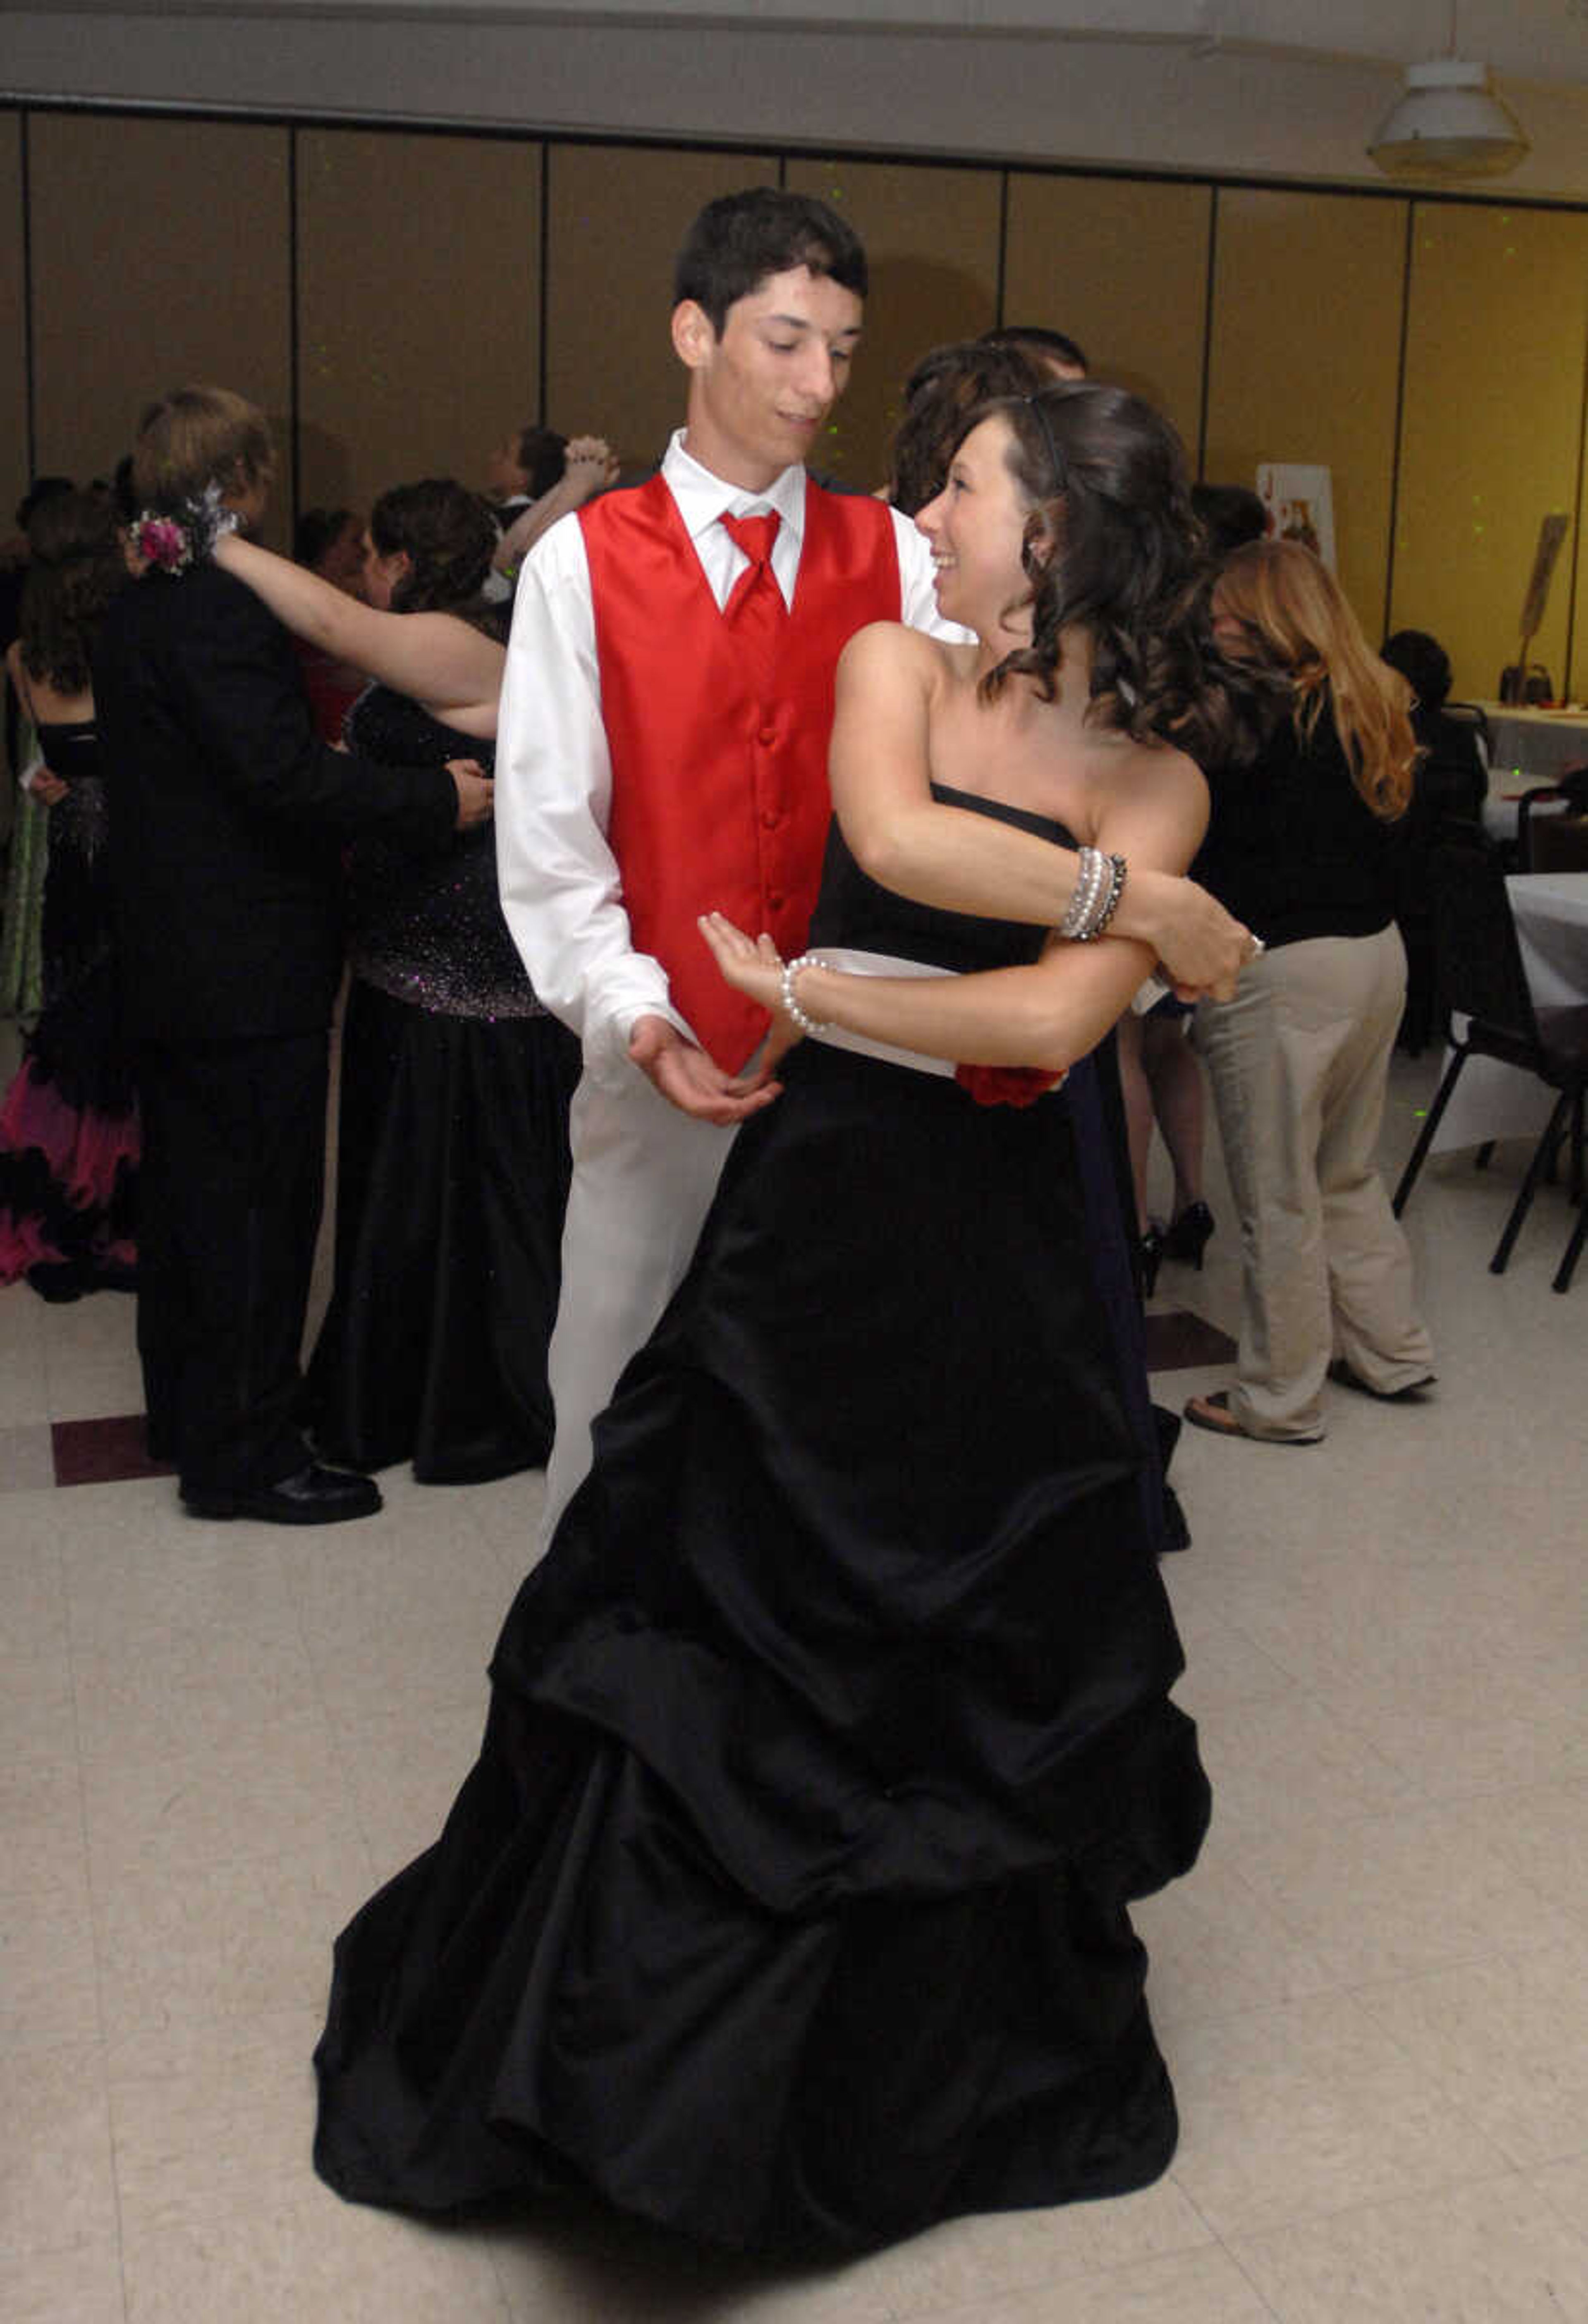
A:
(1481, 978)
(1449, 785)
(1552, 829)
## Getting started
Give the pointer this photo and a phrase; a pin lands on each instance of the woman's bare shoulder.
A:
(893, 654)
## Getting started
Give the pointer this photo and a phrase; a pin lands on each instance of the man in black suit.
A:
(228, 817)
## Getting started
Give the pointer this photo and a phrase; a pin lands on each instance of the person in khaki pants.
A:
(1303, 846)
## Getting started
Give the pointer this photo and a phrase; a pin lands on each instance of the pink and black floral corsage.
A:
(162, 544)
(169, 540)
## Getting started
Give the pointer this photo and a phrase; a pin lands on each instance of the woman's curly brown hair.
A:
(448, 536)
(1111, 547)
(74, 569)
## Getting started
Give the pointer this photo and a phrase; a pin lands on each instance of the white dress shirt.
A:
(561, 889)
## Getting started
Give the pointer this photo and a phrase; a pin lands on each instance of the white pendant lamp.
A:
(1449, 122)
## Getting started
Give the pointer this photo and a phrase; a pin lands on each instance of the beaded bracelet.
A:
(1111, 902)
(1089, 887)
(792, 969)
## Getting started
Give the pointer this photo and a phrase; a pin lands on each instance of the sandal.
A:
(1212, 1413)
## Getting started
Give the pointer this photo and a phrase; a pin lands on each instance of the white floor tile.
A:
(1495, 2254)
(1507, 2039)
(56, 2188)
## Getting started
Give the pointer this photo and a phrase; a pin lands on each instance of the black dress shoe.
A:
(313, 1495)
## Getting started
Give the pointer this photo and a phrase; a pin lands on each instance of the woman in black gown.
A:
(787, 1902)
(452, 1157)
(68, 1127)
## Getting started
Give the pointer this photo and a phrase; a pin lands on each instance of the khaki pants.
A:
(643, 1177)
(1298, 1062)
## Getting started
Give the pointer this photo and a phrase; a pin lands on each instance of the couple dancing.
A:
(787, 1902)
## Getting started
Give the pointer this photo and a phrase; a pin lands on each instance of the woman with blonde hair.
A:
(1303, 845)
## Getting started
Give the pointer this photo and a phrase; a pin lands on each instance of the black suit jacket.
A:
(228, 814)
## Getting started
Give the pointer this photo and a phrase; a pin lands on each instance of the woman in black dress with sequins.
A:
(452, 1145)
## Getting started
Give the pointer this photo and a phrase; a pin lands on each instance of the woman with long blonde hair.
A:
(1303, 845)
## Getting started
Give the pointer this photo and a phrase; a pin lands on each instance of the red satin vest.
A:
(719, 785)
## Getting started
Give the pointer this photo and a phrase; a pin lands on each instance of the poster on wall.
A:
(1300, 506)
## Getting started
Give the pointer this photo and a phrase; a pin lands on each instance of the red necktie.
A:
(755, 610)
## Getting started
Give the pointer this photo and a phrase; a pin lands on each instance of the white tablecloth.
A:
(1532, 746)
(1495, 1101)
(1528, 749)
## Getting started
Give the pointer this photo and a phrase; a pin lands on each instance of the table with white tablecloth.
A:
(1494, 1100)
(1528, 749)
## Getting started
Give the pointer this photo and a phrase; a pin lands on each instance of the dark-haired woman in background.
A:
(69, 1128)
(788, 1902)
(1303, 845)
(452, 1150)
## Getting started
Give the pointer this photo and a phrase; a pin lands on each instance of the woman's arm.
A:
(958, 860)
(1046, 1015)
(589, 466)
(441, 661)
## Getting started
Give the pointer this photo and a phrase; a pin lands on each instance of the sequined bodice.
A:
(71, 748)
(430, 930)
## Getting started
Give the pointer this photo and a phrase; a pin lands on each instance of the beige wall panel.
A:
(1123, 267)
(419, 265)
(1491, 431)
(617, 216)
(161, 254)
(1304, 359)
(14, 380)
(931, 239)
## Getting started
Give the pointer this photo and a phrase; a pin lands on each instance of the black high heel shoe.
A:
(1151, 1249)
(1186, 1239)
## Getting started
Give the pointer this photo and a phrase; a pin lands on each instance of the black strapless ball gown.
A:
(787, 1902)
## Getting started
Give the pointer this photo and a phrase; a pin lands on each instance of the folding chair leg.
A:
(1543, 1154)
(1574, 1251)
(1425, 1135)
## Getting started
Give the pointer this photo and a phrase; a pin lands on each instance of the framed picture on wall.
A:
(1300, 506)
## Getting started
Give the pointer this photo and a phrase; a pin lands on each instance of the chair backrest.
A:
(1558, 843)
(1478, 961)
(1544, 804)
(1473, 715)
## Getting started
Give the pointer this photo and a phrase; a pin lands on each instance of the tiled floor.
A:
(1373, 1990)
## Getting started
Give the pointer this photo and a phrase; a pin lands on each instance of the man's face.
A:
(759, 394)
(505, 479)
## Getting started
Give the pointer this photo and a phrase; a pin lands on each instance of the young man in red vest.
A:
(662, 751)
(663, 743)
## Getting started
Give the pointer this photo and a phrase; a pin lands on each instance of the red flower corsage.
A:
(1006, 1084)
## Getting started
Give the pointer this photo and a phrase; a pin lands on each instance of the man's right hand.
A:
(1202, 948)
(687, 1078)
(475, 790)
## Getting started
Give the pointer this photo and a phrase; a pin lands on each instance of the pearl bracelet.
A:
(1100, 882)
(791, 1008)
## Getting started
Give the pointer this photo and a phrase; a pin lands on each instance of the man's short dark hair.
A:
(740, 239)
(1230, 515)
(1036, 340)
(542, 455)
(1423, 664)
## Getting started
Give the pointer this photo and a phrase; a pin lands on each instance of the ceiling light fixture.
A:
(1449, 122)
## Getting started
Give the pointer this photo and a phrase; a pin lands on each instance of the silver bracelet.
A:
(791, 1008)
(1088, 885)
(1111, 901)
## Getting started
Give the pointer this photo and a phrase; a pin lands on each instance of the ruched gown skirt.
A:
(787, 1902)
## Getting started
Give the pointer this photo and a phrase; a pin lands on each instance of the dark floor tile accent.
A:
(1175, 1340)
(103, 1452)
